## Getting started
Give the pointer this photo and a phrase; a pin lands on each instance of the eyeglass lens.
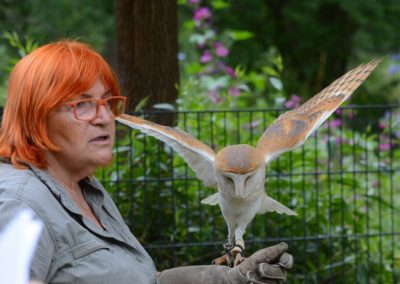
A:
(87, 109)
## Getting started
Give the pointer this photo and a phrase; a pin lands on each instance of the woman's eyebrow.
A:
(89, 95)
(85, 96)
(107, 94)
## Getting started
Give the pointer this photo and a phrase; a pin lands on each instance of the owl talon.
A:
(238, 252)
(226, 258)
(238, 259)
(221, 260)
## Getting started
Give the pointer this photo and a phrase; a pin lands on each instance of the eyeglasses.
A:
(88, 109)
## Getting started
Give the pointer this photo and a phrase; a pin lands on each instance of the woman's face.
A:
(84, 145)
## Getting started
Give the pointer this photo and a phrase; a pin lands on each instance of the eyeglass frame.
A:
(99, 102)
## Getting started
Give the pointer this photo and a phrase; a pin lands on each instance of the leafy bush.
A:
(207, 80)
(342, 183)
(20, 47)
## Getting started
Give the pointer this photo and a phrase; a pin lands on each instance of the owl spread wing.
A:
(198, 155)
(292, 128)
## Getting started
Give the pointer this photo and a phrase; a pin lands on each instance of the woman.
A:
(57, 128)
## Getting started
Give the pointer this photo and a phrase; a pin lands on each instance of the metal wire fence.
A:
(344, 183)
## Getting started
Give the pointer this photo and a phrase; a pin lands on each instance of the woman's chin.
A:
(104, 161)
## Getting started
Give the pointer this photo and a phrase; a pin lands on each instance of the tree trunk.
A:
(147, 48)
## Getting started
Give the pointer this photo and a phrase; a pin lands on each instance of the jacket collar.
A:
(61, 194)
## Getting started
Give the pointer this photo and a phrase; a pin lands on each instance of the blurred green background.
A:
(277, 48)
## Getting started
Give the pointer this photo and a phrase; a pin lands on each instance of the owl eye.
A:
(228, 179)
(246, 180)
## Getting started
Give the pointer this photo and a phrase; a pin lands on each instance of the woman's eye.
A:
(82, 105)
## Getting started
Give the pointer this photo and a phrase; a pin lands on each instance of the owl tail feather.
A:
(271, 205)
(211, 200)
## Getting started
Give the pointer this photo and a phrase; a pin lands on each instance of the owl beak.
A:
(239, 188)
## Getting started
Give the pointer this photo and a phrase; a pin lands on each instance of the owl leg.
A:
(227, 257)
(238, 252)
(238, 249)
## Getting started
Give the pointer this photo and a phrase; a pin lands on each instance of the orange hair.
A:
(39, 83)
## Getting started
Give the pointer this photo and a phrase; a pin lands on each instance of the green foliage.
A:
(208, 82)
(261, 77)
(384, 80)
(45, 22)
(342, 183)
(90, 22)
(318, 39)
(23, 48)
(19, 48)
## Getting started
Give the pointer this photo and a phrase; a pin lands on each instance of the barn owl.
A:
(238, 171)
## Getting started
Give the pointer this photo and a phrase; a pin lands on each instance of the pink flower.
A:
(206, 57)
(384, 147)
(220, 49)
(350, 114)
(293, 102)
(230, 71)
(335, 123)
(296, 98)
(194, 1)
(376, 184)
(201, 13)
(214, 96)
(234, 91)
(338, 111)
(381, 125)
(252, 125)
(290, 104)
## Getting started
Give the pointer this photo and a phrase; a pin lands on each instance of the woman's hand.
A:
(268, 265)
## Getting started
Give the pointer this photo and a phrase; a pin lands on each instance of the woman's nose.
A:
(104, 114)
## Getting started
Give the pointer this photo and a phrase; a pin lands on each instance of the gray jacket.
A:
(72, 249)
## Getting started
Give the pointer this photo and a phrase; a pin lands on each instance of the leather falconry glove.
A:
(267, 265)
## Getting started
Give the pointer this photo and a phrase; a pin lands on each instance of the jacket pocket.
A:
(88, 248)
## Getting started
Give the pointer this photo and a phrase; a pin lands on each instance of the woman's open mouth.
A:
(103, 139)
